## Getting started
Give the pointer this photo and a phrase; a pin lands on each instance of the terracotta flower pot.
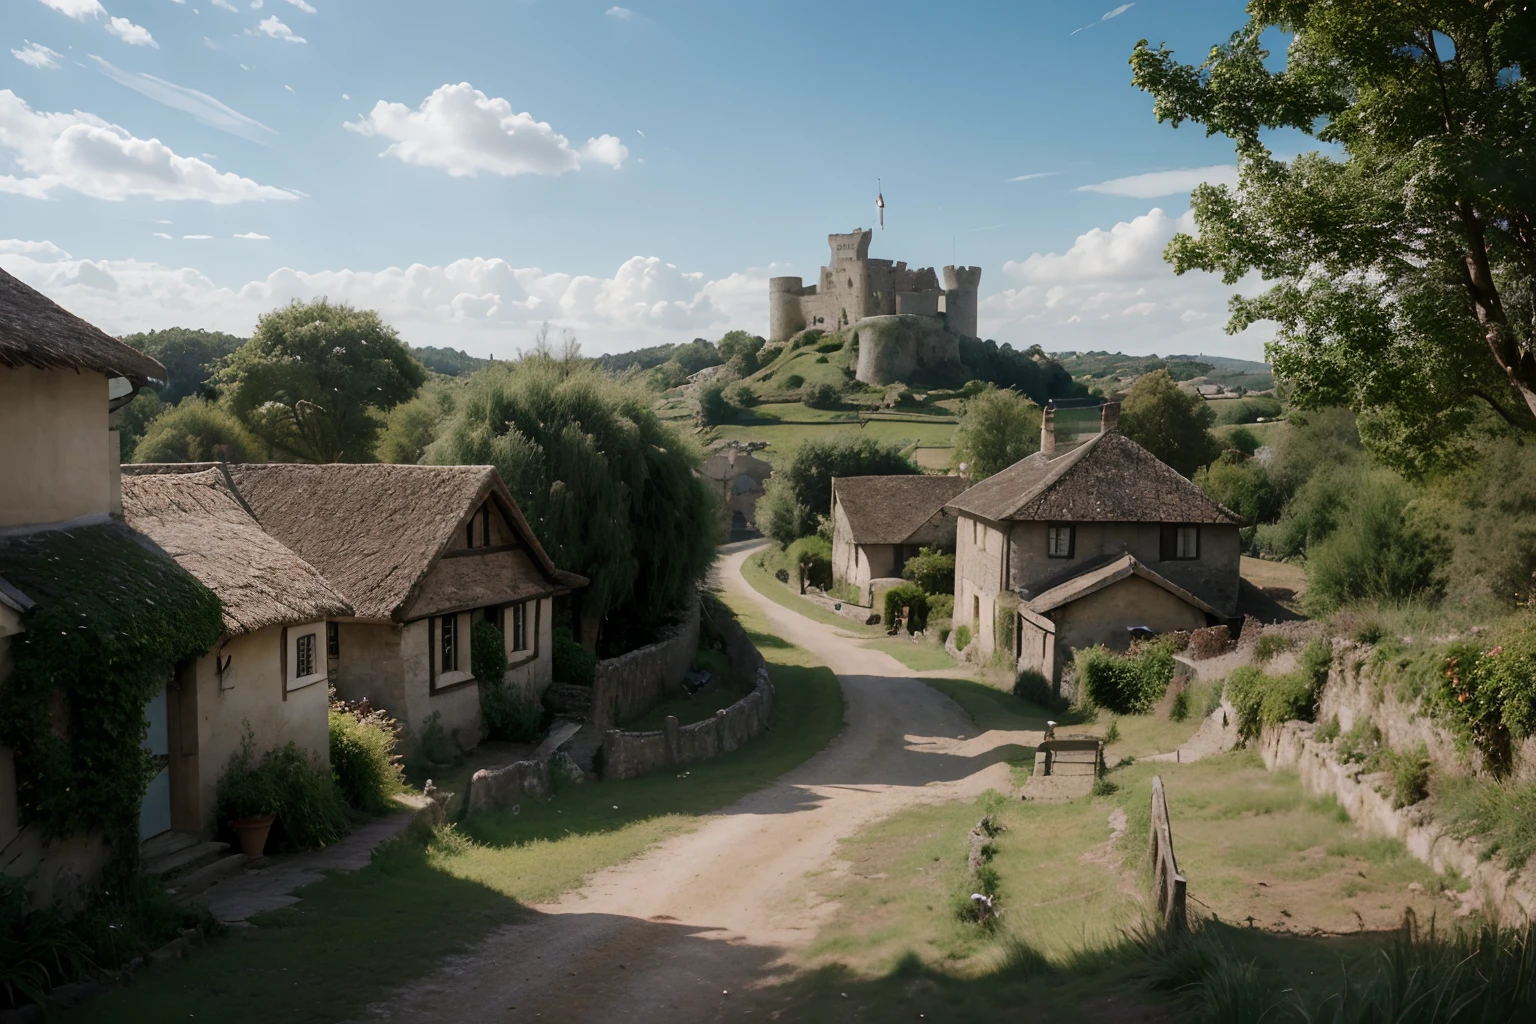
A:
(253, 833)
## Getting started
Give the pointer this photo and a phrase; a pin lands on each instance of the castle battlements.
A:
(854, 286)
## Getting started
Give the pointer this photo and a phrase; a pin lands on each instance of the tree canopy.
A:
(196, 430)
(997, 428)
(190, 357)
(797, 496)
(314, 378)
(1403, 260)
(1169, 422)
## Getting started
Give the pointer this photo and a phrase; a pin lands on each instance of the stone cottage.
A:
(268, 671)
(738, 477)
(1078, 543)
(878, 522)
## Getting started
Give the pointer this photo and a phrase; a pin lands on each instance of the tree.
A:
(808, 480)
(1171, 423)
(314, 378)
(190, 357)
(411, 427)
(1405, 270)
(1242, 486)
(714, 408)
(609, 489)
(197, 430)
(997, 428)
(135, 419)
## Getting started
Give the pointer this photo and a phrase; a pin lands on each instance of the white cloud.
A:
(37, 55)
(162, 234)
(85, 154)
(276, 30)
(1164, 183)
(290, 89)
(345, 96)
(80, 10)
(226, 5)
(33, 249)
(301, 5)
(252, 236)
(199, 104)
(1033, 177)
(196, 238)
(133, 35)
(1105, 17)
(483, 305)
(255, 5)
(461, 130)
(621, 13)
(1112, 290)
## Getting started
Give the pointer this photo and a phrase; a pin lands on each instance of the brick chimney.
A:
(1048, 430)
(1109, 418)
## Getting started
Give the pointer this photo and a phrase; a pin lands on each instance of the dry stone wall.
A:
(633, 683)
(628, 754)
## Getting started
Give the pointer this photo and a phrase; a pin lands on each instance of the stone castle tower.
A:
(854, 287)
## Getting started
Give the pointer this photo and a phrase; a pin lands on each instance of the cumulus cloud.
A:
(301, 5)
(80, 10)
(133, 35)
(621, 13)
(275, 29)
(463, 131)
(37, 55)
(484, 305)
(1164, 183)
(179, 97)
(85, 154)
(1112, 290)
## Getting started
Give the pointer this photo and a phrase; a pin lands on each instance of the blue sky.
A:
(633, 174)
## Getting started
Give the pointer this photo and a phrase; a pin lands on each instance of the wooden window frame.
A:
(532, 629)
(1169, 542)
(448, 642)
(333, 639)
(1052, 531)
(304, 656)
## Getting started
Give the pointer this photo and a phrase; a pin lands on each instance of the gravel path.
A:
(678, 933)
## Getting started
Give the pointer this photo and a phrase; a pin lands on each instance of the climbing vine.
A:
(112, 619)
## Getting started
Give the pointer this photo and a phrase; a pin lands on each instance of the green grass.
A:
(784, 595)
(354, 937)
(786, 425)
(1267, 433)
(922, 656)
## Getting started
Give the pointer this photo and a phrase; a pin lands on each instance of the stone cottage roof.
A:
(890, 509)
(36, 331)
(197, 520)
(1096, 579)
(1108, 478)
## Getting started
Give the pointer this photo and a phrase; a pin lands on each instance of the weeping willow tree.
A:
(608, 488)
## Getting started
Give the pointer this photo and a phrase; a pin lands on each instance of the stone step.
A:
(200, 880)
(186, 860)
(165, 844)
(560, 730)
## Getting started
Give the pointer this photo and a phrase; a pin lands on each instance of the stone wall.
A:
(915, 350)
(628, 754)
(633, 683)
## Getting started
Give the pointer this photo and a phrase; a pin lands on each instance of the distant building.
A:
(738, 477)
(878, 522)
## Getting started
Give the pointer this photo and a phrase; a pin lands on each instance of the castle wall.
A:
(786, 313)
(908, 349)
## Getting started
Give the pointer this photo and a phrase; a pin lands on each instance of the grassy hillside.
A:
(1108, 370)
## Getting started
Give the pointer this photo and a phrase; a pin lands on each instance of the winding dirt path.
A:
(679, 932)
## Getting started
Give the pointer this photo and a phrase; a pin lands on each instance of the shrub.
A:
(1112, 734)
(1410, 775)
(932, 570)
(1361, 744)
(487, 652)
(820, 395)
(1213, 699)
(714, 407)
(1328, 731)
(243, 789)
(509, 715)
(832, 344)
(911, 597)
(814, 553)
(1210, 642)
(1178, 711)
(741, 395)
(806, 338)
(1125, 685)
(1262, 700)
(792, 383)
(941, 606)
(1035, 688)
(364, 761)
(1316, 660)
(572, 663)
(1244, 440)
(962, 637)
(1374, 551)
(310, 809)
(1269, 645)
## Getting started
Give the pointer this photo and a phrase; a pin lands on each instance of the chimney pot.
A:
(1048, 430)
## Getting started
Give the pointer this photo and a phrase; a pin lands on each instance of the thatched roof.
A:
(36, 331)
(196, 519)
(1108, 478)
(1107, 575)
(374, 531)
(890, 509)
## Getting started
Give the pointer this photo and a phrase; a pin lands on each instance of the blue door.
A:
(155, 811)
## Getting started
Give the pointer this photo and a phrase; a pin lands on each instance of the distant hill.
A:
(1115, 369)
(450, 362)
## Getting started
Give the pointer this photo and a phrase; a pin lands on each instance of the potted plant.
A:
(247, 798)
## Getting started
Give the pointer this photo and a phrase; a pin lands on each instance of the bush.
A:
(815, 554)
(820, 395)
(510, 716)
(832, 344)
(572, 663)
(911, 597)
(714, 408)
(941, 606)
(1210, 642)
(1262, 700)
(364, 761)
(962, 637)
(1410, 775)
(1489, 697)
(1035, 688)
(1244, 440)
(487, 652)
(1178, 711)
(1269, 645)
(806, 338)
(792, 383)
(932, 570)
(1374, 552)
(288, 782)
(1125, 685)
(741, 395)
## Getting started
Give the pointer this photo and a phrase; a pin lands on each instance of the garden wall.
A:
(628, 754)
(633, 683)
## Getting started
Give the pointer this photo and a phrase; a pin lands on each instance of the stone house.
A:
(266, 674)
(738, 477)
(1076, 544)
(420, 553)
(878, 522)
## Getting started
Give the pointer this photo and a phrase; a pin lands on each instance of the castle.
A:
(855, 287)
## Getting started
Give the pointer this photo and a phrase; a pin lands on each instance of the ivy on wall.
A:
(113, 617)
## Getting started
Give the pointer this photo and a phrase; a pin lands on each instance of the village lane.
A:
(680, 932)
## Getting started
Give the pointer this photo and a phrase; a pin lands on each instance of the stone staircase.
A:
(187, 865)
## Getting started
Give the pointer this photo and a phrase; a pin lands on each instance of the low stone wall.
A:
(633, 683)
(628, 754)
(495, 789)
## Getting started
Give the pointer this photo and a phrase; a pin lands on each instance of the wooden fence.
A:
(1168, 886)
(1070, 756)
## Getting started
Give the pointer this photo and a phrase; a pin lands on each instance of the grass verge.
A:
(763, 582)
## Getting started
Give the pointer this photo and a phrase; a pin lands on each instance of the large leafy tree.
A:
(197, 430)
(997, 428)
(314, 379)
(609, 488)
(1169, 422)
(1403, 256)
(190, 357)
(807, 487)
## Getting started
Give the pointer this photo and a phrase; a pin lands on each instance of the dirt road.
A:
(681, 932)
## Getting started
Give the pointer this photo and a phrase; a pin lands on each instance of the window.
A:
(482, 531)
(1180, 543)
(304, 656)
(449, 627)
(520, 627)
(495, 617)
(333, 639)
(1059, 540)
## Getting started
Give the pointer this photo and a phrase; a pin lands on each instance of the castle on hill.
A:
(854, 287)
